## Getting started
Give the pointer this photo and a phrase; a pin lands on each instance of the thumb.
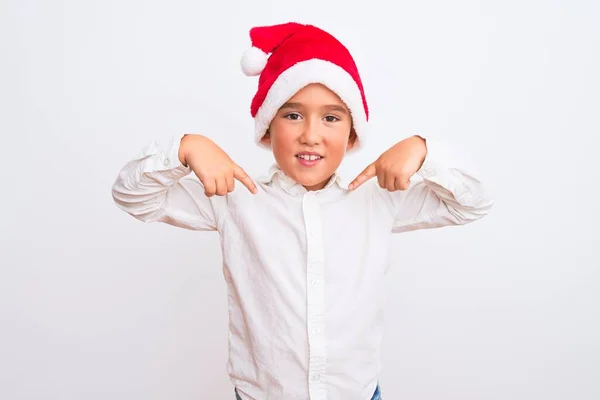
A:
(364, 176)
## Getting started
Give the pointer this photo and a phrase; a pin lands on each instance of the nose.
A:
(310, 134)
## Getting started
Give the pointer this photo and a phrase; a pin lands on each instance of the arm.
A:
(156, 187)
(451, 192)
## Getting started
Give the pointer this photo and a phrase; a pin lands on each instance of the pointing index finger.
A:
(242, 176)
(364, 176)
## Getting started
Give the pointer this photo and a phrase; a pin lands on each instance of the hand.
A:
(396, 166)
(212, 166)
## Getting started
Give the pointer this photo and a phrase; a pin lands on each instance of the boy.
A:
(303, 257)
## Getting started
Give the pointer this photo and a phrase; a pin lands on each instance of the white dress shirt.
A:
(305, 270)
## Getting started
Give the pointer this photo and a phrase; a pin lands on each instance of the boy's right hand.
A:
(212, 166)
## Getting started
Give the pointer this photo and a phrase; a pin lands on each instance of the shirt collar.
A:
(276, 176)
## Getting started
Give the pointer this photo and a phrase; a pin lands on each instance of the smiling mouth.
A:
(309, 160)
(309, 157)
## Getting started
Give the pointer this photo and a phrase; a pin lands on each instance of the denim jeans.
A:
(376, 395)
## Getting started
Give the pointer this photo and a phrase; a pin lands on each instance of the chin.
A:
(308, 176)
(314, 180)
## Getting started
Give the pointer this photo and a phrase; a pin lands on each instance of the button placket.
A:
(315, 291)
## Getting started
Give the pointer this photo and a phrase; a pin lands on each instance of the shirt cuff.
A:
(433, 159)
(440, 162)
(165, 157)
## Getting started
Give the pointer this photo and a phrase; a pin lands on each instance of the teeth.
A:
(309, 157)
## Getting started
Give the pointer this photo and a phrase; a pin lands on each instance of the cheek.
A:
(339, 142)
(283, 136)
(281, 144)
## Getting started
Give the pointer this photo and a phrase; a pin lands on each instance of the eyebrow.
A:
(332, 107)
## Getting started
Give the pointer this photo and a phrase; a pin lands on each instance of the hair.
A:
(353, 136)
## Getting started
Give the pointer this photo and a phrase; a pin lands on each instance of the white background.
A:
(97, 305)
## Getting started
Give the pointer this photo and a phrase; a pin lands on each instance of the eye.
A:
(331, 118)
(292, 116)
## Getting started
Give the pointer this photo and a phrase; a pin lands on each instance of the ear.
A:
(266, 139)
(352, 140)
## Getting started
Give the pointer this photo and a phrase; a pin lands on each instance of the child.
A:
(303, 256)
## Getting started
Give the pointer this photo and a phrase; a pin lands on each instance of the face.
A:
(310, 135)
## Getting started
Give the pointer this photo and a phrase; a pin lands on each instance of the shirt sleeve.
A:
(450, 192)
(156, 187)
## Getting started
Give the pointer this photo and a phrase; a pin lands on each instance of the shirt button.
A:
(166, 162)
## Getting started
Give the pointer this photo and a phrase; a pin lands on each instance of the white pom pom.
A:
(253, 61)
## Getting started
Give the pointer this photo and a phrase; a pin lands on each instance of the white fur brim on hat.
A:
(296, 77)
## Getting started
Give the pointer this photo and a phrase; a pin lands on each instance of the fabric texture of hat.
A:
(301, 55)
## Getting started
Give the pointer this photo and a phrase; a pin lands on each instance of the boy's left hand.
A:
(396, 166)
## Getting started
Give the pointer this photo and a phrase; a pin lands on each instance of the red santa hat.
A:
(300, 55)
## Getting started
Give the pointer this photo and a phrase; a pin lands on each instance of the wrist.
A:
(187, 142)
(422, 146)
(181, 153)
